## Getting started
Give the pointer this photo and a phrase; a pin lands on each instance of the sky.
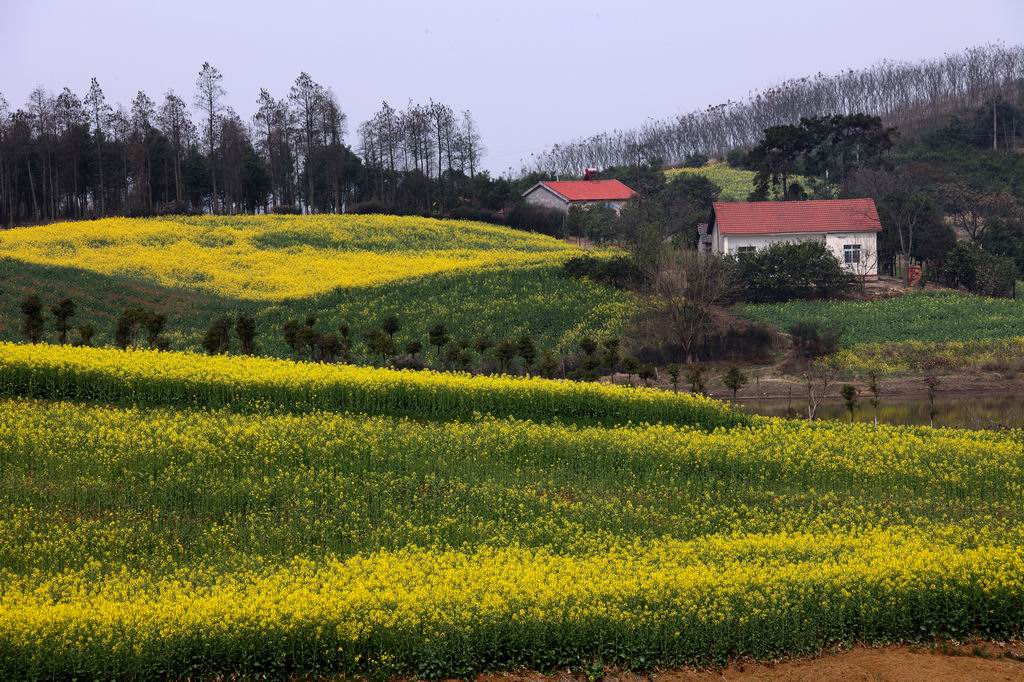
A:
(532, 73)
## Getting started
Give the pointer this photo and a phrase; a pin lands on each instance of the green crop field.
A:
(476, 279)
(911, 333)
(927, 316)
(167, 515)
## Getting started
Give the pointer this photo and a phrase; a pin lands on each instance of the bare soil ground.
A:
(965, 384)
(980, 662)
(770, 382)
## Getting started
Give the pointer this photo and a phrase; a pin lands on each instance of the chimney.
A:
(589, 173)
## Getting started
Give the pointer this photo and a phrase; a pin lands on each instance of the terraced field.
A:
(170, 514)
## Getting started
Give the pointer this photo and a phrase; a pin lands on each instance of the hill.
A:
(475, 278)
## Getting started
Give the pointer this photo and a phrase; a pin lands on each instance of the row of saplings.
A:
(133, 326)
(481, 354)
(484, 355)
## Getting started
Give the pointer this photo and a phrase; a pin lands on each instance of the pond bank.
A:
(961, 411)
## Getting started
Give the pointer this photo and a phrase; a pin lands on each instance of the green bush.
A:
(968, 267)
(787, 271)
(549, 221)
(620, 272)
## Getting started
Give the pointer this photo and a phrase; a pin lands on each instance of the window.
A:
(745, 250)
(851, 254)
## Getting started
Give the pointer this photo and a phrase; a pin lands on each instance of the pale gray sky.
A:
(532, 72)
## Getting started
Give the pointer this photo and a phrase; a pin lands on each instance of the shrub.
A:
(438, 336)
(621, 272)
(127, 325)
(750, 342)
(631, 366)
(328, 347)
(812, 342)
(62, 313)
(32, 322)
(414, 348)
(479, 214)
(787, 271)
(736, 158)
(548, 365)
(695, 377)
(849, 393)
(695, 160)
(217, 340)
(734, 380)
(154, 324)
(391, 325)
(595, 222)
(379, 342)
(506, 352)
(674, 372)
(526, 349)
(482, 343)
(533, 218)
(286, 210)
(368, 207)
(968, 266)
(85, 334)
(245, 328)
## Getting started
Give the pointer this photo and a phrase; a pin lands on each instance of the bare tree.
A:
(174, 121)
(685, 290)
(902, 93)
(99, 111)
(865, 266)
(817, 380)
(7, 202)
(143, 116)
(903, 200)
(306, 96)
(208, 99)
(471, 148)
(972, 209)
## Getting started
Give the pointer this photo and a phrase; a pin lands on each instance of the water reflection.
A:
(966, 411)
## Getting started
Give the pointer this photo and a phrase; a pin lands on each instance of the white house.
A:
(848, 227)
(562, 194)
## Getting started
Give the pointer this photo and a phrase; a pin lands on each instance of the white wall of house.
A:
(867, 258)
(836, 242)
(542, 196)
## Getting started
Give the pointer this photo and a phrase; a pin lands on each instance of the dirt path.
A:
(980, 663)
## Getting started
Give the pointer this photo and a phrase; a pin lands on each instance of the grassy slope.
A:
(519, 293)
(736, 184)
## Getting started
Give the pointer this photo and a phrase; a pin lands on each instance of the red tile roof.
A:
(787, 217)
(590, 190)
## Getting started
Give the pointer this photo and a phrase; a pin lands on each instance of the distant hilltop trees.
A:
(899, 92)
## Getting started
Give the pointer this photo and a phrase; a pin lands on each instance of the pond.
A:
(964, 411)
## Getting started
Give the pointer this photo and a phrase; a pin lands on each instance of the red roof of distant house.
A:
(787, 217)
(590, 190)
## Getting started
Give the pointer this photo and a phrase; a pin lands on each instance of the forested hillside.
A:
(902, 94)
